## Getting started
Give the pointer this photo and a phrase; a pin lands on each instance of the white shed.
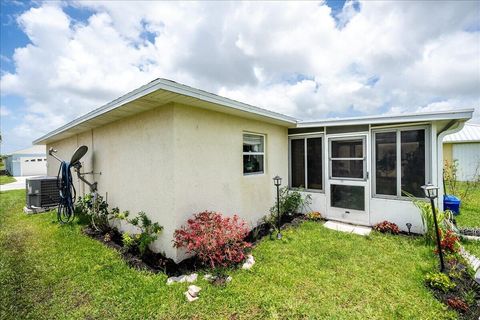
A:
(464, 146)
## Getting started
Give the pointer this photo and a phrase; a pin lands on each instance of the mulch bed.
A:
(465, 286)
(157, 262)
(150, 261)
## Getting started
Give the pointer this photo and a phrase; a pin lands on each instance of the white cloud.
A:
(4, 112)
(291, 57)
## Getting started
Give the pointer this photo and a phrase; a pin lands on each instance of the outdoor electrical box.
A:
(42, 194)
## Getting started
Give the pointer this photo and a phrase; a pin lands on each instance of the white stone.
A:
(189, 297)
(193, 290)
(248, 264)
(209, 277)
(173, 280)
(183, 278)
(229, 278)
(191, 278)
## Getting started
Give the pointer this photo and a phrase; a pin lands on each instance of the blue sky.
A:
(301, 59)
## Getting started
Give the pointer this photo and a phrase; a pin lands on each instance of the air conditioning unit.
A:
(42, 194)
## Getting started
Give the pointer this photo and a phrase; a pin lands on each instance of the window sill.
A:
(255, 174)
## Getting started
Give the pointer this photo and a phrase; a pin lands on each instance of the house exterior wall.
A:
(447, 153)
(175, 161)
(209, 165)
(134, 156)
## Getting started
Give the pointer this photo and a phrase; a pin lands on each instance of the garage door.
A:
(30, 166)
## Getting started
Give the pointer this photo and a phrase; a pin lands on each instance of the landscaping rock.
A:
(173, 280)
(192, 293)
(193, 290)
(209, 277)
(183, 278)
(248, 263)
(191, 278)
(189, 297)
(229, 279)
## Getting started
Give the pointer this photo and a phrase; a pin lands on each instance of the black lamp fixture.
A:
(431, 192)
(277, 181)
(409, 226)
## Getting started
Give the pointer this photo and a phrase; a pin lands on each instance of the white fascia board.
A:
(385, 119)
(164, 84)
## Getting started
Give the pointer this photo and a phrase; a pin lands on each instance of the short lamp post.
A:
(277, 181)
(431, 192)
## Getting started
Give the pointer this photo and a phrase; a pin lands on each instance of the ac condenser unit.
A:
(42, 193)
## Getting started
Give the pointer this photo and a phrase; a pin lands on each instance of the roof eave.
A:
(163, 84)
(463, 114)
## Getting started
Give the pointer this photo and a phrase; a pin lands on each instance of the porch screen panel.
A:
(413, 161)
(386, 163)
(347, 197)
(297, 158)
(314, 164)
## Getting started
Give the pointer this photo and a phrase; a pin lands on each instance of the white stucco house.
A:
(31, 161)
(464, 147)
(196, 151)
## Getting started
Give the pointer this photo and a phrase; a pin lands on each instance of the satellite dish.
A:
(78, 154)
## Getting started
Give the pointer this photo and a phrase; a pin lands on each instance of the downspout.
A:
(452, 127)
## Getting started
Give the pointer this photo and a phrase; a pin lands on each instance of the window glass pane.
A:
(347, 197)
(297, 158)
(352, 148)
(252, 143)
(386, 163)
(252, 163)
(413, 161)
(314, 163)
(347, 169)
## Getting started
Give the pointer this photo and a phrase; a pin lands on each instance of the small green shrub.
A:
(96, 209)
(291, 202)
(148, 232)
(439, 281)
(314, 216)
(128, 241)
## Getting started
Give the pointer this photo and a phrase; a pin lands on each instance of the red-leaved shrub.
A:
(216, 240)
(457, 304)
(449, 242)
(387, 227)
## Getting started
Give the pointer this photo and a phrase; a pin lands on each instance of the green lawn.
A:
(470, 208)
(50, 271)
(6, 179)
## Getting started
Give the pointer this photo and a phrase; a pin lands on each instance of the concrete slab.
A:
(17, 185)
(348, 228)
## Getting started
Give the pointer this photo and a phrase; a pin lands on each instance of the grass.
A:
(50, 271)
(6, 179)
(470, 208)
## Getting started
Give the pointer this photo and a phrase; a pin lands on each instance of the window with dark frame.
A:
(306, 163)
(400, 164)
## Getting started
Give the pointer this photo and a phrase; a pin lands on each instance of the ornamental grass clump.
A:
(217, 241)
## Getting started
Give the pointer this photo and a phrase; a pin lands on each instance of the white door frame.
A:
(342, 214)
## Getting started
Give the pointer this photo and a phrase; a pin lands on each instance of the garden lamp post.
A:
(277, 181)
(431, 192)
